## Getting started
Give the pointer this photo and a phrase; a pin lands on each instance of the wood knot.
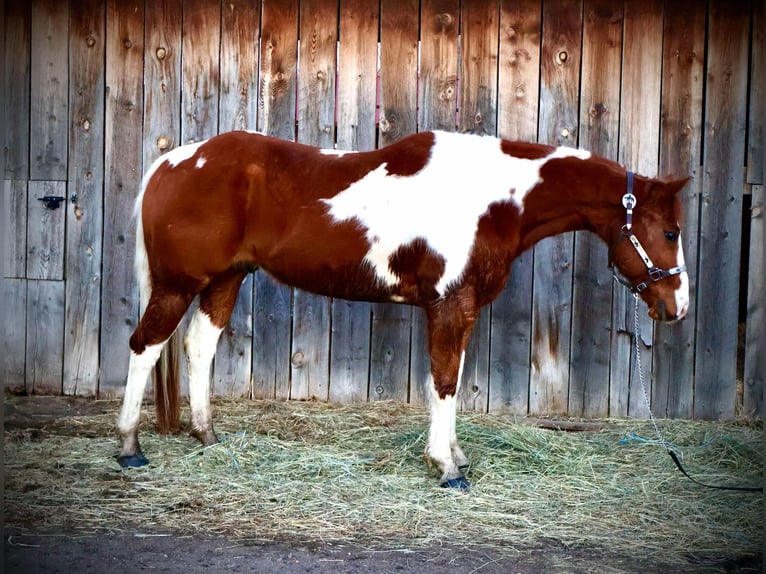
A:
(562, 56)
(297, 359)
(163, 142)
(161, 53)
(90, 41)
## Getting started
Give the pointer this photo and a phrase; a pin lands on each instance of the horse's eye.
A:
(671, 235)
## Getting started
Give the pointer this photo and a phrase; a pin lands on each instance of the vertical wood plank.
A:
(316, 126)
(273, 301)
(200, 82)
(200, 70)
(511, 312)
(45, 231)
(356, 130)
(478, 91)
(391, 324)
(49, 90)
(437, 105)
(721, 212)
(84, 214)
(279, 40)
(45, 337)
(15, 228)
(753, 373)
(162, 79)
(755, 135)
(553, 257)
(592, 289)
(437, 109)
(240, 28)
(639, 145)
(480, 22)
(122, 178)
(17, 55)
(680, 148)
(13, 344)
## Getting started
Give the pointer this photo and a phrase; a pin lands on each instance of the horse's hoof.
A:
(132, 461)
(461, 483)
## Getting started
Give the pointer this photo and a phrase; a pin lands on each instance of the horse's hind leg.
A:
(216, 304)
(160, 319)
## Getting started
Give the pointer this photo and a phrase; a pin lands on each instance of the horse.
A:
(433, 220)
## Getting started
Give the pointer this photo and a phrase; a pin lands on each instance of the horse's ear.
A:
(675, 185)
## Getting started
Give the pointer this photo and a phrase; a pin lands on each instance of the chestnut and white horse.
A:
(433, 220)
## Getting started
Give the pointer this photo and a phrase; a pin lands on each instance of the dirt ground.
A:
(30, 551)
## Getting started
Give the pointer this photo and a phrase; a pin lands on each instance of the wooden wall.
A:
(96, 89)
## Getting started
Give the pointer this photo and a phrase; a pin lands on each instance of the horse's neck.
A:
(551, 210)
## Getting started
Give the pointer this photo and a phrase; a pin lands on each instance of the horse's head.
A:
(647, 248)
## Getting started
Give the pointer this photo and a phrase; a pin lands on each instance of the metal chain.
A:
(637, 338)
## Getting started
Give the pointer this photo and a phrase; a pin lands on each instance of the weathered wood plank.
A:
(273, 301)
(721, 212)
(592, 288)
(17, 55)
(480, 22)
(316, 126)
(49, 90)
(162, 79)
(755, 134)
(271, 338)
(240, 26)
(437, 97)
(753, 369)
(437, 109)
(45, 337)
(639, 147)
(278, 68)
(13, 344)
(45, 231)
(680, 148)
(391, 324)
(122, 178)
(511, 313)
(15, 228)
(553, 257)
(84, 214)
(200, 70)
(355, 130)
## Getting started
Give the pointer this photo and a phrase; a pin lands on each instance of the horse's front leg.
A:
(449, 330)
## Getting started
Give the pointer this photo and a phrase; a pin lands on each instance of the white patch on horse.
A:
(182, 153)
(442, 203)
(200, 162)
(200, 343)
(335, 152)
(682, 293)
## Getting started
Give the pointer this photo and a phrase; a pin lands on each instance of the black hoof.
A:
(461, 483)
(132, 461)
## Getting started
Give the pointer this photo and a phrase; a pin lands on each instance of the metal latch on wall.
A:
(52, 201)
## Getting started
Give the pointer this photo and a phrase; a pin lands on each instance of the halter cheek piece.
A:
(654, 272)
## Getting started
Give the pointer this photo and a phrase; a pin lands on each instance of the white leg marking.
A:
(457, 453)
(138, 373)
(438, 449)
(200, 343)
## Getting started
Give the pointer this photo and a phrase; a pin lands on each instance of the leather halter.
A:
(654, 273)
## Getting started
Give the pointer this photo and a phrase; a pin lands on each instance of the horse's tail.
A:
(166, 377)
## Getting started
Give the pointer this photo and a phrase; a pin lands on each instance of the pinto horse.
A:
(433, 220)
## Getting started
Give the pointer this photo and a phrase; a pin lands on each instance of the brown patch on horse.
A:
(419, 269)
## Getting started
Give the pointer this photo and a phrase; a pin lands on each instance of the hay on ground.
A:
(313, 471)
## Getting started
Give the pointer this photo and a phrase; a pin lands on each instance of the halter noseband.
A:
(654, 272)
